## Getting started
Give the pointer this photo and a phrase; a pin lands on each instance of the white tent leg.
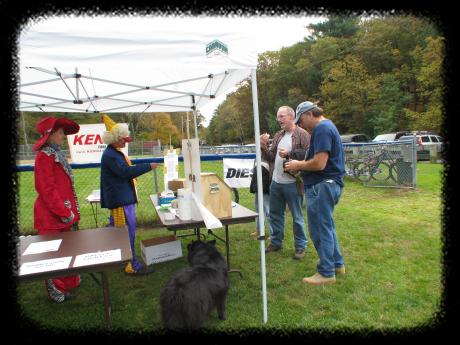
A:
(76, 84)
(194, 116)
(255, 106)
(188, 127)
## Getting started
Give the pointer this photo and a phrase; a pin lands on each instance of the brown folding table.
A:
(76, 243)
(240, 214)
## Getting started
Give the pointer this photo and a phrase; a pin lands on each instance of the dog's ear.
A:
(213, 242)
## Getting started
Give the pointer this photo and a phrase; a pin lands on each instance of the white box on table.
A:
(160, 249)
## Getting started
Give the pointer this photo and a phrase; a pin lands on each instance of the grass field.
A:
(391, 241)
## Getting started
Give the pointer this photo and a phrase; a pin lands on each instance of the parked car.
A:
(249, 148)
(424, 141)
(355, 138)
(390, 136)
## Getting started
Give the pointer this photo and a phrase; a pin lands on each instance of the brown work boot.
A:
(272, 248)
(299, 254)
(318, 279)
(340, 270)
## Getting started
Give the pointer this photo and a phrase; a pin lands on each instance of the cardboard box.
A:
(160, 249)
(177, 183)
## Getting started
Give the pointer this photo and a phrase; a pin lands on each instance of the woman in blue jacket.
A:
(118, 185)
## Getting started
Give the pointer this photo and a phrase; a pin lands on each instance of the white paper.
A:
(209, 219)
(42, 247)
(95, 196)
(45, 265)
(95, 258)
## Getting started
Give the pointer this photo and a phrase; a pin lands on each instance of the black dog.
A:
(189, 296)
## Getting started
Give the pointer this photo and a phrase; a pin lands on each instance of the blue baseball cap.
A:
(302, 108)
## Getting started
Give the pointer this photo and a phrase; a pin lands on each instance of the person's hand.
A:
(154, 165)
(292, 166)
(69, 218)
(264, 139)
(283, 153)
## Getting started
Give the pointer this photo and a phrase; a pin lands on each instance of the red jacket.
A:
(54, 188)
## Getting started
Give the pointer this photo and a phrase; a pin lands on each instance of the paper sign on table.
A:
(42, 247)
(89, 259)
(45, 265)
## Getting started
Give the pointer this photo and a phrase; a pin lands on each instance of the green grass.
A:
(390, 238)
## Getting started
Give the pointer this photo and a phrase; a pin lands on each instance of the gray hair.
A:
(120, 130)
(288, 109)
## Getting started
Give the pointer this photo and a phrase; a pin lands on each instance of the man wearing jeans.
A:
(284, 187)
(323, 172)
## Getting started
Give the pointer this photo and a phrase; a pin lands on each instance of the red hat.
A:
(49, 124)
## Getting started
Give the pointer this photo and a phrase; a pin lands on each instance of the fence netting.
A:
(382, 164)
(88, 179)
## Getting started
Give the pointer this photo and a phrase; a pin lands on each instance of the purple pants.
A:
(130, 216)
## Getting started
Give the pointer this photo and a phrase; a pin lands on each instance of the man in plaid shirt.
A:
(291, 142)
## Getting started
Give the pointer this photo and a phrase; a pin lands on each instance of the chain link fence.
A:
(382, 164)
(87, 179)
(151, 148)
(379, 165)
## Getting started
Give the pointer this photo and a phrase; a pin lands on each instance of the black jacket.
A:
(265, 181)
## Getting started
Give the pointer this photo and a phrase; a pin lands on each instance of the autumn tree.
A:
(160, 126)
(371, 75)
(348, 93)
(431, 86)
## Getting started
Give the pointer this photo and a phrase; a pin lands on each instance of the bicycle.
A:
(350, 164)
(380, 167)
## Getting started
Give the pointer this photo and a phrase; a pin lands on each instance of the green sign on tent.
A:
(215, 47)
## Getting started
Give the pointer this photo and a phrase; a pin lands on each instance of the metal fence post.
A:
(414, 162)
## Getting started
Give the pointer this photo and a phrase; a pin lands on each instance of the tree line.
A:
(166, 127)
(372, 76)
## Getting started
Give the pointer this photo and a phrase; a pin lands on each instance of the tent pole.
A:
(76, 84)
(188, 127)
(255, 106)
(194, 116)
(24, 129)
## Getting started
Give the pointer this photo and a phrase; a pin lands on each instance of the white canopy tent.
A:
(117, 64)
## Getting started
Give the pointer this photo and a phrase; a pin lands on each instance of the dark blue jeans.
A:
(280, 195)
(321, 200)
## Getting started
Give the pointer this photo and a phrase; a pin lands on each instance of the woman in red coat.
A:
(56, 208)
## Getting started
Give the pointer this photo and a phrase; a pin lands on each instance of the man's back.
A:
(326, 138)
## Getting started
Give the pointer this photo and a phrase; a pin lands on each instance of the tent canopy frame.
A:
(131, 103)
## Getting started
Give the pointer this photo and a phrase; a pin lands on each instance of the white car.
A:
(390, 136)
(424, 141)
